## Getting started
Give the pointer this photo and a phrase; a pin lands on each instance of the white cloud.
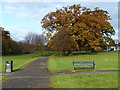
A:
(58, 6)
(36, 11)
(1, 21)
(19, 10)
(20, 31)
(24, 10)
(40, 13)
(10, 8)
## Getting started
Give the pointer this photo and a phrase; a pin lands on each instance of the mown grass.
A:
(2, 78)
(19, 61)
(106, 80)
(103, 61)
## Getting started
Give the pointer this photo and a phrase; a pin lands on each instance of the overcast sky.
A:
(20, 18)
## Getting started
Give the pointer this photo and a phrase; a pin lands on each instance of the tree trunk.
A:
(63, 52)
(92, 50)
(60, 53)
(69, 52)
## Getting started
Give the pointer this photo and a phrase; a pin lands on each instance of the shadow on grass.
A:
(85, 53)
(75, 53)
(83, 68)
(16, 70)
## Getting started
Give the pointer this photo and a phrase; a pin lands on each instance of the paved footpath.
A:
(34, 75)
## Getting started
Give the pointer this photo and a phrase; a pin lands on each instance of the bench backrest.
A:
(84, 63)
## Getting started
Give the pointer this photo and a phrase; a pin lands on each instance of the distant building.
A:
(114, 47)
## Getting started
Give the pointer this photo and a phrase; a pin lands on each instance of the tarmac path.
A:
(34, 75)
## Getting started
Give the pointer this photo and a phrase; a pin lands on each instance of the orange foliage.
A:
(83, 24)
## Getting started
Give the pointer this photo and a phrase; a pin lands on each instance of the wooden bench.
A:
(83, 65)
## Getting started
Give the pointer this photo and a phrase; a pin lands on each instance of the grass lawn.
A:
(106, 80)
(2, 78)
(20, 61)
(103, 61)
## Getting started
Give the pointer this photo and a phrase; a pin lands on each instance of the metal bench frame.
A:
(80, 63)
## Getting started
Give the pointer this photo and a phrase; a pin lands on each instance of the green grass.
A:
(103, 61)
(19, 61)
(2, 78)
(106, 80)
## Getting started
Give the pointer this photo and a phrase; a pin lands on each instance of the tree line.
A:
(32, 43)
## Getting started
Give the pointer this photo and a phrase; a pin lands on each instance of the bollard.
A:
(9, 66)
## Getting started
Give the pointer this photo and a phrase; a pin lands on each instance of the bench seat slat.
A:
(83, 63)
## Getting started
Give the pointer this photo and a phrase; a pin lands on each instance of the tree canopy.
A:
(88, 27)
(32, 43)
(62, 41)
(8, 45)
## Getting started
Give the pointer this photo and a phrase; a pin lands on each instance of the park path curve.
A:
(34, 75)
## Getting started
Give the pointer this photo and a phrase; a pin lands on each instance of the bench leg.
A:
(93, 66)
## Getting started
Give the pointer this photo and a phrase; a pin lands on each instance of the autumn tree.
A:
(6, 40)
(9, 46)
(32, 43)
(62, 41)
(25, 47)
(88, 27)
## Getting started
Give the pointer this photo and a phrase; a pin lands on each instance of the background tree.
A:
(9, 46)
(105, 43)
(88, 27)
(62, 42)
(34, 39)
(34, 42)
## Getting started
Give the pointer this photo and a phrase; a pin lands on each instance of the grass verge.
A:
(2, 78)
(103, 61)
(19, 61)
(101, 80)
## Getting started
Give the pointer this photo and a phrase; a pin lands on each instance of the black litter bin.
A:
(9, 66)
